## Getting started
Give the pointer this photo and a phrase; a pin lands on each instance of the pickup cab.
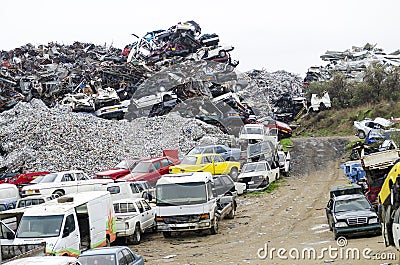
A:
(133, 218)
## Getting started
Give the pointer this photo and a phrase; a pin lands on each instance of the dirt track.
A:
(292, 218)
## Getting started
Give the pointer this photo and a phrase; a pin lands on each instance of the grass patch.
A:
(272, 187)
(286, 143)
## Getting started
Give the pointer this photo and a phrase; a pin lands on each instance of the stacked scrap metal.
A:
(264, 89)
(352, 62)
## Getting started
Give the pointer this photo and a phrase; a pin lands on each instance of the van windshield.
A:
(40, 226)
(182, 193)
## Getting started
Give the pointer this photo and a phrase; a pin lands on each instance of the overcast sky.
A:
(275, 35)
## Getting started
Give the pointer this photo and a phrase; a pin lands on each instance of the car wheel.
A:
(222, 54)
(361, 134)
(136, 237)
(215, 227)
(167, 234)
(234, 173)
(145, 196)
(59, 193)
(231, 215)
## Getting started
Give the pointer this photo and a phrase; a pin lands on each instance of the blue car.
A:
(229, 154)
(117, 255)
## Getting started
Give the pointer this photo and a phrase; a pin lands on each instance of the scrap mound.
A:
(35, 137)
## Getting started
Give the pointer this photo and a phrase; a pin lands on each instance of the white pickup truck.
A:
(133, 217)
(65, 182)
(186, 202)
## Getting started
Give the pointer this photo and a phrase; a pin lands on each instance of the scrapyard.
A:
(178, 153)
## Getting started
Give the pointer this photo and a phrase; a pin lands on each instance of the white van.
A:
(9, 196)
(69, 224)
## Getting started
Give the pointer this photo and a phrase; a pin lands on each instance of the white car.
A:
(45, 260)
(65, 182)
(258, 175)
(133, 217)
(363, 127)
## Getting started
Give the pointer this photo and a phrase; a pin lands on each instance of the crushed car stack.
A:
(351, 62)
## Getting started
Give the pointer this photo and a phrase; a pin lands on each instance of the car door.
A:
(69, 183)
(154, 173)
(206, 164)
(82, 182)
(149, 215)
(220, 166)
(329, 215)
(396, 228)
(164, 163)
(223, 152)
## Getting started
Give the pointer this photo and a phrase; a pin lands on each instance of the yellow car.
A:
(213, 163)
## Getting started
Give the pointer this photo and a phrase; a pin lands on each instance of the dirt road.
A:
(291, 218)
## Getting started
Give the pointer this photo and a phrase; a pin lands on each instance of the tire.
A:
(167, 234)
(137, 235)
(361, 134)
(145, 195)
(59, 193)
(231, 215)
(215, 227)
(234, 173)
(222, 54)
(322, 106)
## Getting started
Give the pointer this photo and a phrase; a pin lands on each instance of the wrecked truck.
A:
(187, 202)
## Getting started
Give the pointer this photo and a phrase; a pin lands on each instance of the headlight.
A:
(341, 224)
(373, 220)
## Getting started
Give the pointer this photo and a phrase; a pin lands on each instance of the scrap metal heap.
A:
(102, 79)
(351, 62)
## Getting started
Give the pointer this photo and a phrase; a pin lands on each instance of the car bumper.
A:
(367, 229)
(163, 227)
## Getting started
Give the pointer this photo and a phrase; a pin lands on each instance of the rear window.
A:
(124, 208)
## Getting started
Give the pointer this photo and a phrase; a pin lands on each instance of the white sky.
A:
(275, 35)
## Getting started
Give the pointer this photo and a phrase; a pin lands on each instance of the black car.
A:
(351, 215)
(224, 185)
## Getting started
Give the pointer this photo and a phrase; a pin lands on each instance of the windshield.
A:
(253, 167)
(40, 226)
(126, 164)
(189, 160)
(182, 193)
(252, 131)
(98, 259)
(196, 151)
(49, 178)
(141, 167)
(37, 180)
(352, 205)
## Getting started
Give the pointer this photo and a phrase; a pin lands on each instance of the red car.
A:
(151, 169)
(21, 180)
(122, 169)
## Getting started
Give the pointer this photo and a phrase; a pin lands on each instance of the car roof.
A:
(102, 250)
(348, 197)
(345, 187)
(41, 260)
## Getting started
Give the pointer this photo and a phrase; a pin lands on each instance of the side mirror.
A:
(66, 232)
(10, 235)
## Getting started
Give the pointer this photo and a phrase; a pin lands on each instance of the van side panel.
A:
(102, 221)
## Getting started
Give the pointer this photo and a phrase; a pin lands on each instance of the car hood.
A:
(355, 214)
(183, 167)
(113, 171)
(252, 174)
(134, 176)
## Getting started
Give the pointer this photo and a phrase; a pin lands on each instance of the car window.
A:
(206, 160)
(121, 258)
(80, 176)
(134, 188)
(67, 177)
(165, 162)
(114, 189)
(140, 206)
(220, 150)
(261, 167)
(217, 182)
(131, 208)
(218, 159)
(157, 165)
(128, 255)
(189, 160)
(227, 180)
(208, 150)
(70, 223)
(147, 207)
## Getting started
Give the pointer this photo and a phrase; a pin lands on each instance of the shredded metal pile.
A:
(35, 137)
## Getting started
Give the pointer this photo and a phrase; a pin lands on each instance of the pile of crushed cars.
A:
(102, 79)
(351, 62)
